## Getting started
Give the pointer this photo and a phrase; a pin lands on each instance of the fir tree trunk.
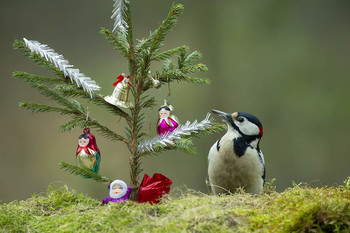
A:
(134, 159)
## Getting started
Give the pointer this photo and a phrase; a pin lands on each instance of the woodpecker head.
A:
(244, 123)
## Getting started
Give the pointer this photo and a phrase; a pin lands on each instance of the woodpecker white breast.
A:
(235, 160)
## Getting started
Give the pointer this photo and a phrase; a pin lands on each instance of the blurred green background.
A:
(287, 62)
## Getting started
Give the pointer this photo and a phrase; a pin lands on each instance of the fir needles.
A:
(58, 60)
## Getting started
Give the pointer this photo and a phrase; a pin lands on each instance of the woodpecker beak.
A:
(227, 117)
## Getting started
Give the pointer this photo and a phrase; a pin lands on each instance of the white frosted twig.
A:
(119, 15)
(58, 60)
(181, 130)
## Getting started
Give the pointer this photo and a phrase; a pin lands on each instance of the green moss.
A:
(297, 209)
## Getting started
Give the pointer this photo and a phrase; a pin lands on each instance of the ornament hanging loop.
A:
(87, 113)
(169, 90)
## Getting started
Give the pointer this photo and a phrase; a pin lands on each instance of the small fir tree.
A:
(69, 82)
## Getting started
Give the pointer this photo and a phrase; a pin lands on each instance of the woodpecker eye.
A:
(240, 119)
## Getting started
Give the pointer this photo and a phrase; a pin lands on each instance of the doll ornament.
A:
(118, 191)
(120, 95)
(88, 155)
(167, 121)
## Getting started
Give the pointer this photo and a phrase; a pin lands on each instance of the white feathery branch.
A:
(181, 130)
(58, 60)
(119, 15)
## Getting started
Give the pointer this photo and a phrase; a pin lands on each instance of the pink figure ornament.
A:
(167, 121)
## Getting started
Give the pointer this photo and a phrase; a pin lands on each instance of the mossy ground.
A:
(297, 209)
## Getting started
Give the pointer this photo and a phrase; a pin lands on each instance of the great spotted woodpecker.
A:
(235, 160)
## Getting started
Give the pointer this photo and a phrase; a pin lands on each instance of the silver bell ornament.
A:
(120, 95)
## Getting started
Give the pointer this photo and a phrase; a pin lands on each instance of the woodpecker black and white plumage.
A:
(235, 160)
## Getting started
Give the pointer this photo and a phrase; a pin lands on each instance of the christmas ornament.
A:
(120, 95)
(186, 129)
(58, 60)
(152, 189)
(118, 191)
(167, 121)
(88, 155)
(156, 83)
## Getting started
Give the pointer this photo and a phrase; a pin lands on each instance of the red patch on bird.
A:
(261, 131)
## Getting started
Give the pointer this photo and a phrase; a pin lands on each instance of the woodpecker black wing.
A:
(261, 157)
(218, 145)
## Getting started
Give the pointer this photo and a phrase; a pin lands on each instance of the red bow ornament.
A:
(120, 78)
(152, 189)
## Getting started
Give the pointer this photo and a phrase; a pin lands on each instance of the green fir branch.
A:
(84, 172)
(80, 121)
(178, 75)
(77, 105)
(171, 77)
(143, 44)
(142, 64)
(147, 102)
(208, 131)
(130, 39)
(20, 45)
(185, 66)
(48, 92)
(118, 42)
(36, 78)
(36, 108)
(158, 36)
(193, 69)
(169, 53)
(105, 131)
(169, 69)
(185, 59)
(73, 91)
(185, 145)
(128, 22)
(196, 80)
(136, 169)
(147, 48)
(73, 124)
